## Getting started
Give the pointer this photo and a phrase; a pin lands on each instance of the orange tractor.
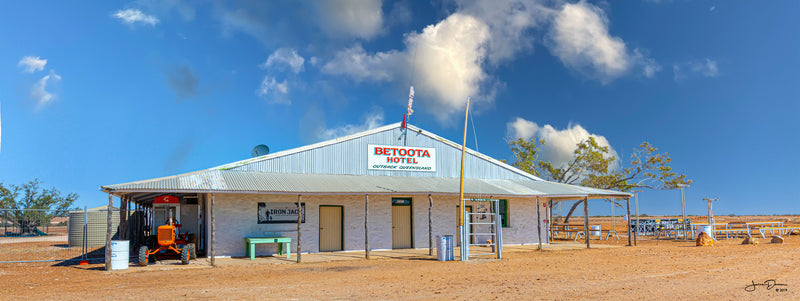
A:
(170, 242)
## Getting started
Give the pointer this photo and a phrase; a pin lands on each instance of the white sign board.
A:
(402, 158)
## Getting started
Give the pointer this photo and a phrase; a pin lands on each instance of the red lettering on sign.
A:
(402, 152)
(425, 154)
(378, 151)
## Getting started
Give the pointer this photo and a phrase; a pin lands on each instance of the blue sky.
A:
(112, 91)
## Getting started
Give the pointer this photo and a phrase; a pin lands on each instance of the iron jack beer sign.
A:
(279, 213)
(402, 158)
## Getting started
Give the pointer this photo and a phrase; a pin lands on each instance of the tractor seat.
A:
(166, 235)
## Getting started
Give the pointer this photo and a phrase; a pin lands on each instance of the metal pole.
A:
(636, 230)
(84, 247)
(711, 215)
(498, 226)
(683, 208)
(461, 188)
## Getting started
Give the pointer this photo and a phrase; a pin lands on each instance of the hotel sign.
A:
(402, 158)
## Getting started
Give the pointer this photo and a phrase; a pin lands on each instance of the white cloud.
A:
(559, 147)
(510, 23)
(581, 40)
(702, 68)
(356, 63)
(707, 68)
(448, 66)
(712, 8)
(287, 57)
(351, 18)
(39, 91)
(273, 90)
(371, 120)
(133, 16)
(32, 64)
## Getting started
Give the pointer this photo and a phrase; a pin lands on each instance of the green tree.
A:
(526, 154)
(591, 167)
(31, 195)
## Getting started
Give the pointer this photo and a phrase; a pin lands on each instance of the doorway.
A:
(402, 237)
(331, 228)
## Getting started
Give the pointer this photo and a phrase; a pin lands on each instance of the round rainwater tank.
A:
(96, 227)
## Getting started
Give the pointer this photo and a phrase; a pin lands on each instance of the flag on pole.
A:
(403, 126)
(410, 101)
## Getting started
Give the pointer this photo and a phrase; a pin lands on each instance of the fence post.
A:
(108, 231)
(84, 247)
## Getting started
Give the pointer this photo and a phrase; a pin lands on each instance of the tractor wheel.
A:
(143, 255)
(185, 254)
(192, 251)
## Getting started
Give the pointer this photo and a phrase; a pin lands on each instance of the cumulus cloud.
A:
(39, 91)
(285, 57)
(702, 68)
(510, 23)
(449, 63)
(356, 63)
(273, 90)
(134, 16)
(184, 81)
(351, 18)
(32, 64)
(581, 40)
(559, 145)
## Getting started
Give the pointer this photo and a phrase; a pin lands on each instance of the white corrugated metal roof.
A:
(233, 181)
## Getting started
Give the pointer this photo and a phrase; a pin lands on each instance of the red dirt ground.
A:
(653, 270)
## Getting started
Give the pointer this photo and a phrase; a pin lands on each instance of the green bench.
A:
(283, 245)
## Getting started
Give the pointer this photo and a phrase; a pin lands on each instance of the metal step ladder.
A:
(495, 230)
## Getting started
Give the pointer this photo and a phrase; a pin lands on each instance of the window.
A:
(504, 213)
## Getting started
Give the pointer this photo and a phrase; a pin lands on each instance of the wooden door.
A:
(401, 227)
(330, 228)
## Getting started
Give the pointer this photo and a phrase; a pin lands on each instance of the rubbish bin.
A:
(119, 254)
(595, 230)
(444, 248)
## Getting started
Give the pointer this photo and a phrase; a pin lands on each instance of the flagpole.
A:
(461, 189)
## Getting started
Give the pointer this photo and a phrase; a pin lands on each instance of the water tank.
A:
(96, 227)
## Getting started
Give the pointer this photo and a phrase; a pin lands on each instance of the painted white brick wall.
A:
(236, 218)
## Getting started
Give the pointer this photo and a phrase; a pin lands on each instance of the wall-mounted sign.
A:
(166, 199)
(279, 213)
(402, 158)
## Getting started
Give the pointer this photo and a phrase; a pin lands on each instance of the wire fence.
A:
(42, 235)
